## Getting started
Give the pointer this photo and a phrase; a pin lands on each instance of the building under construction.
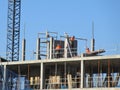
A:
(59, 65)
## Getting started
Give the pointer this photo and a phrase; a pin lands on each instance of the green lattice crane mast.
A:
(13, 30)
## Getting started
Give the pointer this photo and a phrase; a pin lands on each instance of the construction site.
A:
(58, 64)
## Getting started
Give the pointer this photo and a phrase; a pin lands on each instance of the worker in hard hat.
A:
(87, 50)
(72, 41)
(58, 49)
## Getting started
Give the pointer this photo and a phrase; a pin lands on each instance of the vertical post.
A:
(93, 40)
(93, 44)
(55, 69)
(41, 76)
(38, 49)
(99, 74)
(23, 49)
(19, 75)
(51, 47)
(82, 73)
(4, 76)
(109, 76)
(91, 77)
(28, 72)
(65, 48)
(65, 74)
(48, 50)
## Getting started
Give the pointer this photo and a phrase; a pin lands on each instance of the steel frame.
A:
(13, 30)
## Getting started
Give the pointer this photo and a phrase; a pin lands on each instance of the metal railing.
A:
(108, 81)
(31, 54)
(62, 83)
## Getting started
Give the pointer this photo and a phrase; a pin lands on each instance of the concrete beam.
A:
(113, 57)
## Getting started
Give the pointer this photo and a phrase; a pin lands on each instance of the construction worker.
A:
(72, 41)
(58, 49)
(87, 50)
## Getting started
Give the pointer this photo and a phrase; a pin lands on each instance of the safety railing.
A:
(56, 82)
(108, 81)
(62, 52)
(31, 54)
(22, 84)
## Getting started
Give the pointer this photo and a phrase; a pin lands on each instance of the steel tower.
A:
(13, 30)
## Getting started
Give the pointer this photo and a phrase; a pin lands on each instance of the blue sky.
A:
(72, 16)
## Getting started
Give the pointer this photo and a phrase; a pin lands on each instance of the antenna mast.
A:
(13, 30)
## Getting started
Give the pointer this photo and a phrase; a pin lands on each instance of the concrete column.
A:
(65, 48)
(82, 73)
(41, 76)
(51, 48)
(4, 76)
(23, 49)
(38, 49)
(48, 50)
(93, 44)
(93, 40)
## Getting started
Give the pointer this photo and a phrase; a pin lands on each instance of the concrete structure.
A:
(86, 71)
(73, 66)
